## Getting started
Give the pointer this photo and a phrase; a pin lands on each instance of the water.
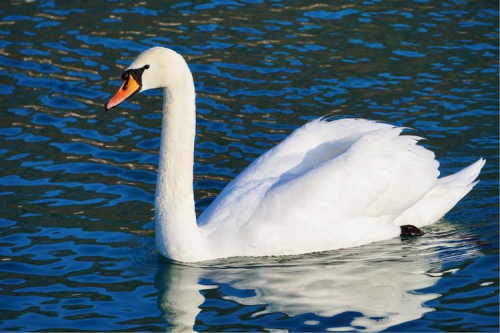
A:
(77, 184)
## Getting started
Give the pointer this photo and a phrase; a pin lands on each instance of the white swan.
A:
(329, 185)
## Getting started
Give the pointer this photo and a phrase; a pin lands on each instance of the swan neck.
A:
(177, 234)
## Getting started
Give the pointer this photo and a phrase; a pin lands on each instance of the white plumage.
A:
(329, 185)
(332, 185)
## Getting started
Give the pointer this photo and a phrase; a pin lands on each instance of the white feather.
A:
(329, 185)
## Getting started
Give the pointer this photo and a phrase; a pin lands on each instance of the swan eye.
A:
(146, 67)
(125, 75)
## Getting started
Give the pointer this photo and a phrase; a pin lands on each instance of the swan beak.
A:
(128, 88)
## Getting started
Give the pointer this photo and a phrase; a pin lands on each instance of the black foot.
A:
(411, 230)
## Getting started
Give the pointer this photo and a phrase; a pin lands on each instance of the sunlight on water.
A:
(77, 184)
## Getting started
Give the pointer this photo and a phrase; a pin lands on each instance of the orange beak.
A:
(128, 88)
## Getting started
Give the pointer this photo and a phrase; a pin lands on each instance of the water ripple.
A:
(77, 184)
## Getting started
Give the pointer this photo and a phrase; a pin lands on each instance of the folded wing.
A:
(328, 185)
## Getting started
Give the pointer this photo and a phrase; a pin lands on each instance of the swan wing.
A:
(308, 146)
(329, 185)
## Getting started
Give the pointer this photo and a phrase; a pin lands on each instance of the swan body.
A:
(329, 185)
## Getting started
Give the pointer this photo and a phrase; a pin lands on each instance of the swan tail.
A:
(443, 197)
(465, 177)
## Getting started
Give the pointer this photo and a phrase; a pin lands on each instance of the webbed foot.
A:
(410, 230)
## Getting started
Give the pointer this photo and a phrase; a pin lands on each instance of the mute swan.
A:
(329, 185)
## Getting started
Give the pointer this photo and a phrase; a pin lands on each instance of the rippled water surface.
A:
(77, 184)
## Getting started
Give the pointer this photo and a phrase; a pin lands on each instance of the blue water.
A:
(77, 184)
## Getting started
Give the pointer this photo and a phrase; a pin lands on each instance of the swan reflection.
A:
(379, 283)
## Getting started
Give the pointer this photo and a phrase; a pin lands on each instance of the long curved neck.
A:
(177, 234)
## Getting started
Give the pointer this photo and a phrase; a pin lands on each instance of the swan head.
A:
(157, 67)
